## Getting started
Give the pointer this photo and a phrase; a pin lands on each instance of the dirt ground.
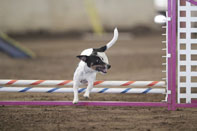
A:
(139, 58)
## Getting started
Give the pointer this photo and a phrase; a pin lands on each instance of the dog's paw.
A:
(75, 101)
(86, 96)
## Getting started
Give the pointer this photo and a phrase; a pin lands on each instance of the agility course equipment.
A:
(94, 90)
(70, 83)
(187, 52)
(180, 84)
(84, 103)
(13, 48)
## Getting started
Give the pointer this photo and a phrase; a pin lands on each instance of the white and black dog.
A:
(92, 61)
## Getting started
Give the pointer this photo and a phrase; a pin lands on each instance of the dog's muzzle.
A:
(108, 66)
(103, 68)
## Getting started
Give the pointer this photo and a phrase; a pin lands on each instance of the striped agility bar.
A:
(80, 90)
(70, 83)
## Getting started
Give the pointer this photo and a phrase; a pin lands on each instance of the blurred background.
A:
(60, 16)
(52, 32)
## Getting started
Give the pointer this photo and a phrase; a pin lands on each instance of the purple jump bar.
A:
(194, 101)
(96, 103)
(83, 103)
(190, 105)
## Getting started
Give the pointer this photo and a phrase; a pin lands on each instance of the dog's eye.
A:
(97, 61)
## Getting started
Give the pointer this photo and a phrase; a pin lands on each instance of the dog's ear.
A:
(83, 57)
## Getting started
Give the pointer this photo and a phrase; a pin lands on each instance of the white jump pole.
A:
(70, 83)
(94, 90)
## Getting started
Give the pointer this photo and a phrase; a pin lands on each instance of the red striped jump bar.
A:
(70, 83)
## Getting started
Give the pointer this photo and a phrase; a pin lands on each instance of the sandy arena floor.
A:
(135, 59)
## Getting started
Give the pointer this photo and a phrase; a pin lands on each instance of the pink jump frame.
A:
(84, 103)
(95, 103)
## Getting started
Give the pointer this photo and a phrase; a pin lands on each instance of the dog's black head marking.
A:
(95, 63)
(91, 60)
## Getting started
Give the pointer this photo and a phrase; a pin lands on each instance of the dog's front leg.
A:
(75, 90)
(88, 90)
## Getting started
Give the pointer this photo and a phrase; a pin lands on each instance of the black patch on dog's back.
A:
(102, 49)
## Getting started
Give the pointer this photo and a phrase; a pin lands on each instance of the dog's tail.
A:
(110, 44)
(114, 39)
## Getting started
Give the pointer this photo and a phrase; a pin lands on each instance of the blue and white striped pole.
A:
(94, 90)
